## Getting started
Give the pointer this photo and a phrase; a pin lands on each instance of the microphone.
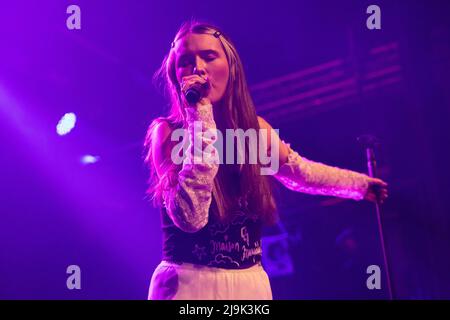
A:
(194, 93)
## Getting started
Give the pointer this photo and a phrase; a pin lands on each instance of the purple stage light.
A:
(66, 124)
(89, 159)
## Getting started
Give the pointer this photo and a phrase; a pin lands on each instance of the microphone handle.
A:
(194, 93)
(192, 96)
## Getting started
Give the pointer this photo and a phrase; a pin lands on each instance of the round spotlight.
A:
(66, 124)
(89, 159)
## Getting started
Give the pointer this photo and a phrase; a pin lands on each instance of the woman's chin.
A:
(215, 101)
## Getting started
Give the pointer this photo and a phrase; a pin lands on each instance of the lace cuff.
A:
(303, 175)
(188, 201)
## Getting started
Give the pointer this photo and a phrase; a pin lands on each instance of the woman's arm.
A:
(300, 174)
(187, 193)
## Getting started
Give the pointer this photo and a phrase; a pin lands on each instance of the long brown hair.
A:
(237, 111)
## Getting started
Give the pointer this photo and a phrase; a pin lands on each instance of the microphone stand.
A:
(369, 142)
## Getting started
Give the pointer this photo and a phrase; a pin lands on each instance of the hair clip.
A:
(217, 34)
(172, 45)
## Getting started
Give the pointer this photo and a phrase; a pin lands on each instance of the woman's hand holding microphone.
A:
(195, 90)
(188, 204)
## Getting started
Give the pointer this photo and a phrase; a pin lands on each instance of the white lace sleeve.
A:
(189, 200)
(303, 175)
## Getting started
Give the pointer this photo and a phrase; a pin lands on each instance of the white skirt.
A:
(189, 281)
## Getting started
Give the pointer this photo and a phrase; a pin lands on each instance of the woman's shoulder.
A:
(165, 123)
(159, 129)
(160, 122)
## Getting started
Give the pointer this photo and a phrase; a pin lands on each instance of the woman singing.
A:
(212, 212)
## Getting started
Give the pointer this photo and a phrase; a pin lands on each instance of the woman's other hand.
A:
(377, 190)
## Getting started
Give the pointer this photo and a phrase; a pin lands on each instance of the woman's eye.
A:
(210, 58)
(183, 63)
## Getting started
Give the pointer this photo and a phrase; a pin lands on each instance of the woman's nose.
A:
(199, 67)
